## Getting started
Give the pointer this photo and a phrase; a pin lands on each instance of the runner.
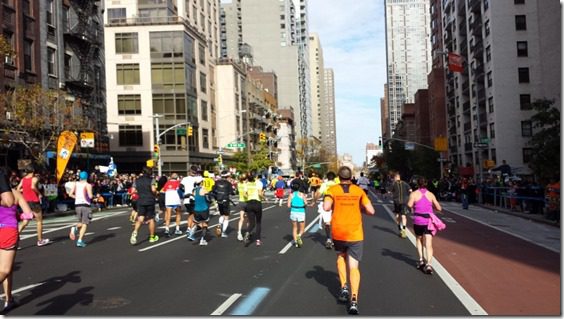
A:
(400, 195)
(28, 187)
(346, 227)
(134, 196)
(82, 194)
(363, 182)
(280, 185)
(172, 202)
(325, 215)
(188, 183)
(297, 202)
(207, 184)
(242, 190)
(161, 199)
(145, 205)
(253, 209)
(221, 191)
(422, 202)
(201, 211)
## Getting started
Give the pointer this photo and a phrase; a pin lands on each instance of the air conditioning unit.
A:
(8, 116)
(8, 60)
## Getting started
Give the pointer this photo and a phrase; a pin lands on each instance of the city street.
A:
(484, 266)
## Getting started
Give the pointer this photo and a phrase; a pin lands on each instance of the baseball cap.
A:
(83, 175)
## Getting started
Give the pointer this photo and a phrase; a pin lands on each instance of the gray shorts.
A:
(84, 214)
(351, 248)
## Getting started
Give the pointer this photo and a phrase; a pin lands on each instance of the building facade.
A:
(317, 77)
(408, 53)
(328, 117)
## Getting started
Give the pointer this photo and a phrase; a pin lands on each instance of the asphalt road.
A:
(176, 277)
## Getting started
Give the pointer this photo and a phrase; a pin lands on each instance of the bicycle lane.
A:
(505, 274)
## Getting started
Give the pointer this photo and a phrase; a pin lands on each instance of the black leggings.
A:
(254, 215)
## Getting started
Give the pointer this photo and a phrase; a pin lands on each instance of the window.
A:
(67, 65)
(171, 105)
(167, 44)
(51, 58)
(490, 81)
(522, 48)
(205, 138)
(492, 130)
(127, 74)
(127, 43)
(527, 155)
(519, 1)
(130, 135)
(49, 12)
(526, 128)
(129, 104)
(491, 104)
(116, 15)
(28, 49)
(488, 53)
(203, 87)
(520, 22)
(167, 74)
(202, 54)
(26, 6)
(487, 27)
(525, 102)
(523, 75)
(204, 109)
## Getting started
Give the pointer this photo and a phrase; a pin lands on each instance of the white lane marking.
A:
(114, 228)
(23, 289)
(184, 237)
(225, 305)
(289, 245)
(469, 303)
(507, 231)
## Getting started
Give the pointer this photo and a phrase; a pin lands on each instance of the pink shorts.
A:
(8, 238)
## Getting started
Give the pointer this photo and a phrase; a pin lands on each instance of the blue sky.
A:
(352, 34)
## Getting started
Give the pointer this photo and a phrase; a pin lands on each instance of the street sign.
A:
(235, 145)
(181, 131)
(409, 146)
(87, 139)
(480, 145)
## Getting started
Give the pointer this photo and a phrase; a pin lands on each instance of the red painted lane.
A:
(504, 274)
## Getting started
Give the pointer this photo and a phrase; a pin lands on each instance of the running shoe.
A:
(9, 305)
(190, 236)
(133, 238)
(299, 241)
(259, 242)
(224, 235)
(43, 242)
(329, 244)
(153, 239)
(403, 233)
(217, 231)
(73, 233)
(167, 233)
(421, 264)
(203, 242)
(344, 294)
(178, 232)
(239, 237)
(353, 307)
(428, 269)
(247, 238)
(80, 243)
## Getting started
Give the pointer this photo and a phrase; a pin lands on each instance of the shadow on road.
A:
(50, 285)
(101, 238)
(399, 256)
(59, 305)
(385, 229)
(329, 279)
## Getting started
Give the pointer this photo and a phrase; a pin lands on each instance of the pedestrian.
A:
(400, 196)
(188, 183)
(422, 201)
(147, 191)
(172, 202)
(279, 187)
(28, 187)
(253, 209)
(346, 199)
(325, 218)
(9, 236)
(221, 191)
(297, 202)
(82, 194)
(464, 193)
(242, 190)
(201, 211)
(363, 182)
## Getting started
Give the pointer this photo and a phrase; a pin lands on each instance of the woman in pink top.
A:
(422, 202)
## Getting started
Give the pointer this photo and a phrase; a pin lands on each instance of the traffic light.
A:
(262, 137)
(156, 151)
(189, 130)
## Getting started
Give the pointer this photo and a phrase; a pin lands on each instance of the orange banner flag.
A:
(65, 146)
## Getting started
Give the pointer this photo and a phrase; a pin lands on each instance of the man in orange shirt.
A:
(345, 199)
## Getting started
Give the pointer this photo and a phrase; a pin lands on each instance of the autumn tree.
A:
(545, 143)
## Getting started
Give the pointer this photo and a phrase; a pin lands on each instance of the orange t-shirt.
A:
(346, 220)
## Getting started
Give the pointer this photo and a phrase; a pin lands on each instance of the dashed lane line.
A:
(225, 305)
(289, 245)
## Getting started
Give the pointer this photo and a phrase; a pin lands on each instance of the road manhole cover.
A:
(110, 303)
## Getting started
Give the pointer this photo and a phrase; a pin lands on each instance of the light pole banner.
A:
(65, 146)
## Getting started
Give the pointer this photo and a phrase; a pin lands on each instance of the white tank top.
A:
(81, 195)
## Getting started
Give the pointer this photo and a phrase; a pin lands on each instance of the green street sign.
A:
(181, 131)
(235, 145)
(316, 165)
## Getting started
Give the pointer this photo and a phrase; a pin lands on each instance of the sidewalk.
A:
(534, 217)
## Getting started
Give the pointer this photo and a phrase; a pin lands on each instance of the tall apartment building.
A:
(58, 44)
(408, 53)
(160, 68)
(277, 32)
(316, 70)
(512, 54)
(328, 122)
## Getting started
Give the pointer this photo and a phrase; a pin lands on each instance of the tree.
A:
(5, 47)
(545, 143)
(259, 161)
(37, 117)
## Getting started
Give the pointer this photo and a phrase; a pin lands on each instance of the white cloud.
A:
(352, 34)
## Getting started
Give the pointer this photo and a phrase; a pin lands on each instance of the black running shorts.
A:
(148, 211)
(351, 248)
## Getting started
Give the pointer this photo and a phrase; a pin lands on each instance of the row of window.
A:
(132, 136)
(166, 74)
